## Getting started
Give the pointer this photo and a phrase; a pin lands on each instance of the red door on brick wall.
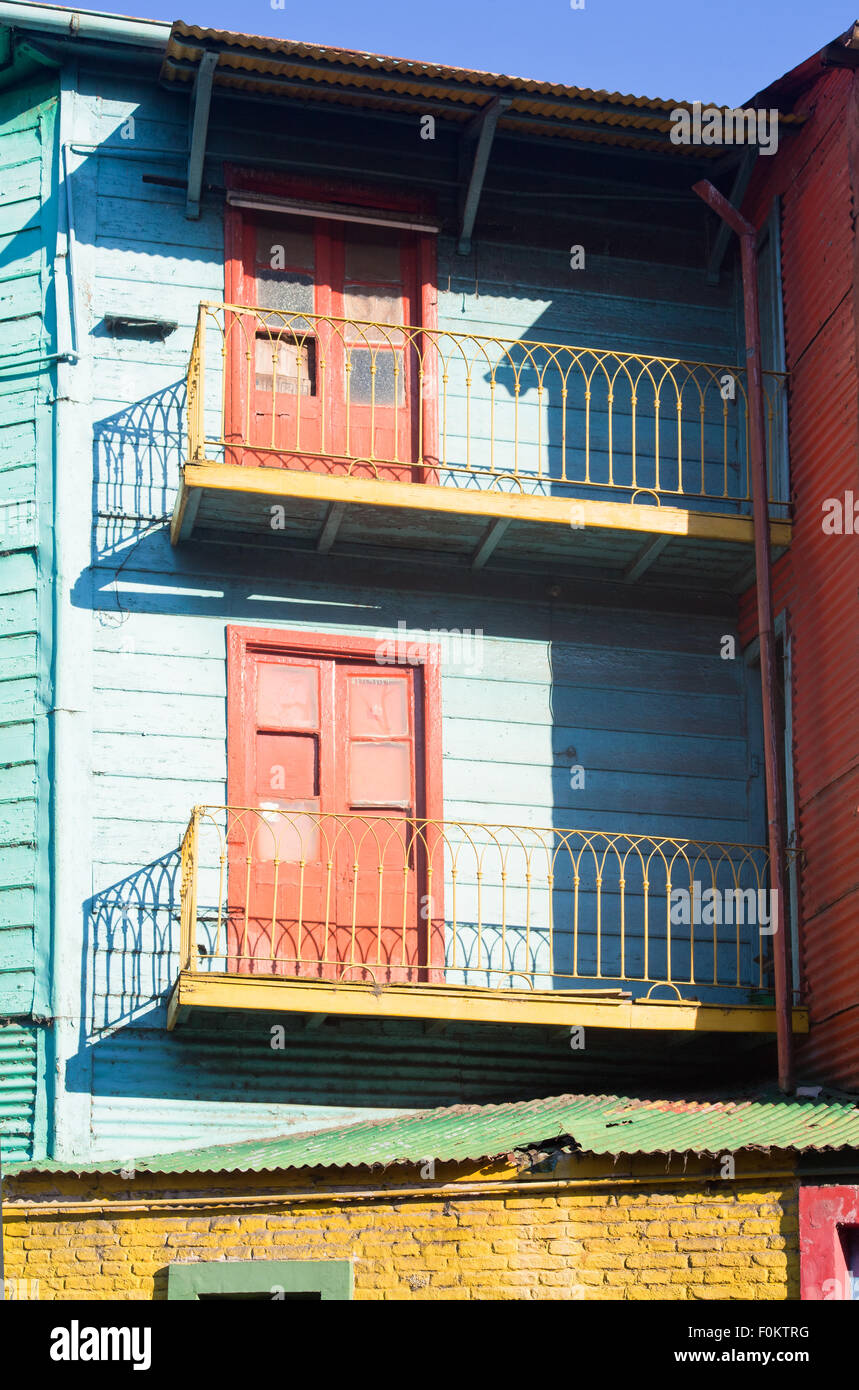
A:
(328, 857)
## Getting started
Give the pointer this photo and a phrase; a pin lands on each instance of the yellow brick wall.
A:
(650, 1240)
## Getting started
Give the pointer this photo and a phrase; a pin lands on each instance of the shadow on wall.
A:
(133, 936)
(137, 455)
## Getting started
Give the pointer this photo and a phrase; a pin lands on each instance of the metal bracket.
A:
(736, 196)
(474, 158)
(331, 526)
(645, 558)
(493, 534)
(201, 100)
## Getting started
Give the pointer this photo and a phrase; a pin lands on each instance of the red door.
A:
(324, 375)
(328, 854)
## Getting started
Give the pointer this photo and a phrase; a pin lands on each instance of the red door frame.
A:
(238, 179)
(242, 642)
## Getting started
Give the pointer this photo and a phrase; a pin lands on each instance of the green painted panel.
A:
(263, 1279)
(27, 237)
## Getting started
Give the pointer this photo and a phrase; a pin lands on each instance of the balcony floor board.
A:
(606, 1008)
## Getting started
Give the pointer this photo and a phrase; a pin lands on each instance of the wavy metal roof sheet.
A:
(271, 66)
(414, 69)
(605, 1125)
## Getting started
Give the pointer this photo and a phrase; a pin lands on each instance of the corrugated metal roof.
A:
(272, 66)
(415, 69)
(606, 1125)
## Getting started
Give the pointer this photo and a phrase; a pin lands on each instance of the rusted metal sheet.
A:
(816, 582)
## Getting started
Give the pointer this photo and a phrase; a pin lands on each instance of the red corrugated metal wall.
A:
(816, 174)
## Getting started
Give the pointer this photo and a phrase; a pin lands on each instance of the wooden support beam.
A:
(331, 526)
(736, 196)
(474, 158)
(645, 558)
(494, 531)
(201, 101)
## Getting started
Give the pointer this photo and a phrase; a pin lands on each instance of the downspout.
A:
(766, 629)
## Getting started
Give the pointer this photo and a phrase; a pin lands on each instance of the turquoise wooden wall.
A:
(643, 701)
(27, 234)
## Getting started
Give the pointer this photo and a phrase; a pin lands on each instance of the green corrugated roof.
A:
(611, 1125)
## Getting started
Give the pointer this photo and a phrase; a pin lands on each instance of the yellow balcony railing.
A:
(384, 400)
(384, 899)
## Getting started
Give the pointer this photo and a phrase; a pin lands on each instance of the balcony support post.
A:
(766, 629)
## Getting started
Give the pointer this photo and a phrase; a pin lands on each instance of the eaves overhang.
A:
(290, 70)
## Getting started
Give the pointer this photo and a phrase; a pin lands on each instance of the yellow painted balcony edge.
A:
(467, 1004)
(612, 516)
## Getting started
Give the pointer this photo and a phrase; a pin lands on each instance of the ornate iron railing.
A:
(384, 400)
(394, 899)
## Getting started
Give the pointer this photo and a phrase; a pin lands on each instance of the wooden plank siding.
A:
(666, 730)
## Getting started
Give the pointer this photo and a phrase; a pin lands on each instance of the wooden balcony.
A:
(396, 918)
(320, 434)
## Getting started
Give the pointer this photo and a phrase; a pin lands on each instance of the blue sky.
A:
(722, 52)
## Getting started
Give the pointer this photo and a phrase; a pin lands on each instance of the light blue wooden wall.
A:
(657, 719)
(27, 234)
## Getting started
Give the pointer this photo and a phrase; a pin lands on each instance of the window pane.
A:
(373, 253)
(291, 293)
(287, 696)
(376, 377)
(378, 306)
(285, 264)
(291, 361)
(287, 830)
(287, 764)
(380, 775)
(285, 244)
(378, 706)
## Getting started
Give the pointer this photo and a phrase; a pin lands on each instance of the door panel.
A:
(331, 393)
(325, 863)
(286, 274)
(378, 899)
(376, 268)
(280, 878)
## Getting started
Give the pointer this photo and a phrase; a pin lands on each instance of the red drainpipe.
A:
(763, 584)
